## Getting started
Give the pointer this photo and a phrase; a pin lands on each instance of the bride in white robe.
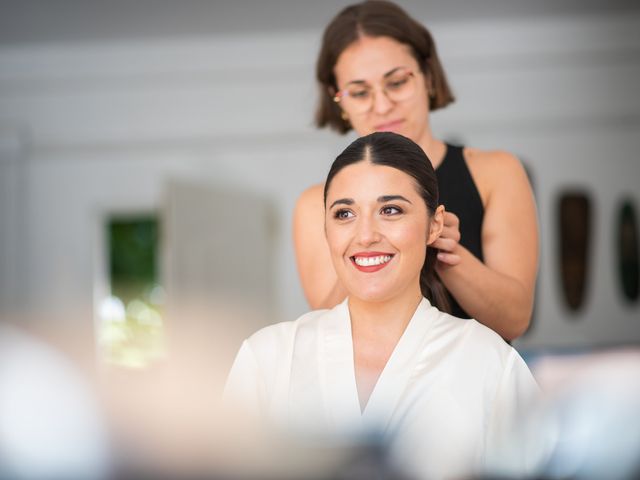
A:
(386, 361)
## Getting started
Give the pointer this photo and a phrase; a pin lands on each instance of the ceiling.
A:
(53, 21)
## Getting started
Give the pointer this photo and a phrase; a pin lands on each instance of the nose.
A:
(368, 233)
(381, 102)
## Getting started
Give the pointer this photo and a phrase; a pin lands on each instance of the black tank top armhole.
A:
(459, 195)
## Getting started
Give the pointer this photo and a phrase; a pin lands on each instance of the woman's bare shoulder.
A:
(492, 161)
(490, 169)
(313, 192)
(310, 200)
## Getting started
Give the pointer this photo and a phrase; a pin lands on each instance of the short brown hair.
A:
(375, 18)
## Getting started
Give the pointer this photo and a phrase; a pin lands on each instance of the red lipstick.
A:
(369, 262)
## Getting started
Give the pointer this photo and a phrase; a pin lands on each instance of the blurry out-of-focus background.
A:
(151, 153)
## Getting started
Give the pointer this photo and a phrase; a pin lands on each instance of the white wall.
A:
(103, 126)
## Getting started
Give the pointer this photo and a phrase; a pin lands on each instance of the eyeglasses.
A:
(398, 85)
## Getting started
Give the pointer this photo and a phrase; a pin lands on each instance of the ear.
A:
(436, 225)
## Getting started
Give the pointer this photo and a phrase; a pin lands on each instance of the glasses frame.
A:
(340, 94)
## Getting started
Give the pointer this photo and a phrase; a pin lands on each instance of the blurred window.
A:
(132, 329)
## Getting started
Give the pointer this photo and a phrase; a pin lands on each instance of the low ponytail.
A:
(431, 286)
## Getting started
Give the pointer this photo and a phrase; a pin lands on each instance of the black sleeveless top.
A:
(459, 195)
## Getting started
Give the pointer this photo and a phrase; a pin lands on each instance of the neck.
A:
(386, 320)
(434, 148)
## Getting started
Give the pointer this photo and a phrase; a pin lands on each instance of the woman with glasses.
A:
(378, 70)
(387, 362)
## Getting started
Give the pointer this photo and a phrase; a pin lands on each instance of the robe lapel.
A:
(337, 370)
(395, 376)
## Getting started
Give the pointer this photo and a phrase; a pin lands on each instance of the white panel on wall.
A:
(218, 266)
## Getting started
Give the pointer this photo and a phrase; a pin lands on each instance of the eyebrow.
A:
(389, 198)
(388, 74)
(381, 199)
(342, 201)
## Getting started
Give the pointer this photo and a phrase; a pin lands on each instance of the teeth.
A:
(370, 261)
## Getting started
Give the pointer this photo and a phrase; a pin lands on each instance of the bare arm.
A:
(319, 280)
(500, 291)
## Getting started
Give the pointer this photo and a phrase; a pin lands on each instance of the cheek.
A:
(336, 240)
(419, 107)
(410, 235)
(420, 111)
(412, 241)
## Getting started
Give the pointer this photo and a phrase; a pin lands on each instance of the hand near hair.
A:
(449, 241)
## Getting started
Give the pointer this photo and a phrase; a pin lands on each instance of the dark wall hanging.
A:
(627, 251)
(575, 227)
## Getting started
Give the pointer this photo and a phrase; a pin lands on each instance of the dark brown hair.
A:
(375, 18)
(401, 153)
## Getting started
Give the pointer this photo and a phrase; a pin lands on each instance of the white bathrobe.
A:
(450, 391)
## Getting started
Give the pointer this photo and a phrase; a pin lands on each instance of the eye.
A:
(343, 214)
(359, 93)
(390, 210)
(396, 84)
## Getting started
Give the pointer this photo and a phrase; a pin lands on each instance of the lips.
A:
(369, 262)
(388, 126)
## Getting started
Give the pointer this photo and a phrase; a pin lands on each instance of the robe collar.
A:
(339, 380)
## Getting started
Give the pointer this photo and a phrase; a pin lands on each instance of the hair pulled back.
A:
(396, 151)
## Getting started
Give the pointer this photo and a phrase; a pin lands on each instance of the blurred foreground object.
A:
(589, 425)
(50, 426)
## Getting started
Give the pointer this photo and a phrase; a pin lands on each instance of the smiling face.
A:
(377, 228)
(369, 61)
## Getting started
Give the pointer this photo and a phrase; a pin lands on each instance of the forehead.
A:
(364, 181)
(369, 58)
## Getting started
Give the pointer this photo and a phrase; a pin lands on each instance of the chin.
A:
(373, 294)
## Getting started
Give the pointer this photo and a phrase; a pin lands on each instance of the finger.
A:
(445, 244)
(448, 258)
(451, 220)
(450, 232)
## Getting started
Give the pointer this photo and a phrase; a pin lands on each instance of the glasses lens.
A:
(400, 86)
(357, 98)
